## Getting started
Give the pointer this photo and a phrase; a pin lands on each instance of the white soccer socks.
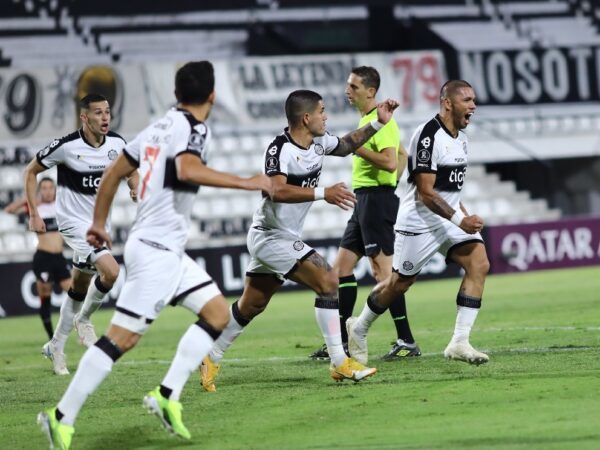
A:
(328, 318)
(233, 329)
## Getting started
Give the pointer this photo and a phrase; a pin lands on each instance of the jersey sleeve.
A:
(387, 137)
(194, 142)
(329, 142)
(132, 151)
(51, 155)
(426, 154)
(276, 160)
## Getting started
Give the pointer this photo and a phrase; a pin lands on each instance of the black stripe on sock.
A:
(78, 297)
(373, 307)
(237, 315)
(109, 347)
(348, 279)
(469, 302)
(212, 332)
(165, 391)
(100, 286)
(326, 303)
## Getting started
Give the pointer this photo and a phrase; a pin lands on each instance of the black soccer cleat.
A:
(321, 354)
(401, 351)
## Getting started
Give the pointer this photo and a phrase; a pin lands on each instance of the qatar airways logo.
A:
(91, 181)
(457, 176)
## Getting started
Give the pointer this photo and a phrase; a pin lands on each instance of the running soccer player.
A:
(171, 155)
(432, 219)
(81, 157)
(49, 265)
(293, 161)
(376, 167)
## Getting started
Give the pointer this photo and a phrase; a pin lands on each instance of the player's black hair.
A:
(194, 82)
(43, 180)
(299, 103)
(369, 76)
(451, 87)
(84, 102)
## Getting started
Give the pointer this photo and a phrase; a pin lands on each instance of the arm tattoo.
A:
(439, 206)
(318, 261)
(353, 140)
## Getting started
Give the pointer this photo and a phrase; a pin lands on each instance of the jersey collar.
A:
(82, 135)
(439, 120)
(289, 138)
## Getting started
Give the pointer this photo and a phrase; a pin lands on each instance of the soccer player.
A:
(293, 161)
(81, 157)
(376, 167)
(171, 155)
(49, 264)
(432, 219)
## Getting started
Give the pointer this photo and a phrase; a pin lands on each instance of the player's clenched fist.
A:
(472, 224)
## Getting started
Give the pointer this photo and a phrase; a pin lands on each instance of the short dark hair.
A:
(451, 87)
(299, 103)
(368, 75)
(194, 82)
(84, 102)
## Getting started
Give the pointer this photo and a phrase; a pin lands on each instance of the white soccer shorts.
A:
(412, 251)
(84, 255)
(156, 277)
(275, 252)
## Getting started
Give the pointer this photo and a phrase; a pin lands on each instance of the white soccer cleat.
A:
(357, 345)
(85, 330)
(58, 359)
(463, 351)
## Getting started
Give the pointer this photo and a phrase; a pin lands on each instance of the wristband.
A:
(319, 193)
(377, 124)
(457, 218)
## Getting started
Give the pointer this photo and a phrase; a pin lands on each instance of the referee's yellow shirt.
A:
(364, 174)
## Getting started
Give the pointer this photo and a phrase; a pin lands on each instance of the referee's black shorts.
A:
(371, 227)
(50, 267)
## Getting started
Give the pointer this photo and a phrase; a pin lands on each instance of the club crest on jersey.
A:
(298, 245)
(196, 142)
(319, 150)
(407, 265)
(426, 142)
(271, 162)
(272, 151)
(423, 155)
(112, 155)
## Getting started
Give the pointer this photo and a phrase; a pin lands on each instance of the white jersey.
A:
(432, 149)
(80, 166)
(47, 212)
(164, 202)
(302, 167)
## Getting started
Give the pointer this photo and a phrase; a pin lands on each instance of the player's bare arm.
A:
(402, 159)
(338, 194)
(36, 223)
(132, 183)
(16, 207)
(121, 168)
(353, 140)
(433, 200)
(191, 169)
(384, 160)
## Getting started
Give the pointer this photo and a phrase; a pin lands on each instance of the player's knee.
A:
(327, 286)
(399, 284)
(109, 277)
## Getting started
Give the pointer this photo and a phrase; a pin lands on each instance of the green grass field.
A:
(541, 389)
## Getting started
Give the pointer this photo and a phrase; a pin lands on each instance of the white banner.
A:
(39, 105)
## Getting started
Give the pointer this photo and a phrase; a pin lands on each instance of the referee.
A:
(370, 231)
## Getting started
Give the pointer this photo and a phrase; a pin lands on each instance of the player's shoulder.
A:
(114, 135)
(276, 146)
(60, 143)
